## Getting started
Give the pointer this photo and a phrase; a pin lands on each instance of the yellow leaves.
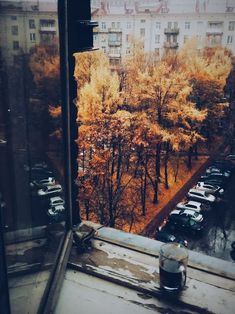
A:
(55, 112)
(99, 96)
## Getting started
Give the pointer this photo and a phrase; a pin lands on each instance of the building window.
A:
(187, 25)
(14, 30)
(229, 39)
(113, 25)
(47, 23)
(142, 32)
(13, 18)
(103, 25)
(115, 39)
(169, 25)
(128, 25)
(157, 39)
(32, 37)
(104, 49)
(215, 25)
(157, 51)
(127, 38)
(103, 38)
(31, 24)
(175, 24)
(16, 45)
(128, 50)
(185, 38)
(142, 21)
(231, 26)
(158, 25)
(118, 25)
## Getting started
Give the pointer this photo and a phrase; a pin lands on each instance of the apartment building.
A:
(24, 24)
(163, 25)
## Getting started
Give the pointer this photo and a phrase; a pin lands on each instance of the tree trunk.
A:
(119, 161)
(196, 151)
(157, 172)
(166, 165)
(144, 187)
(177, 167)
(87, 205)
(189, 163)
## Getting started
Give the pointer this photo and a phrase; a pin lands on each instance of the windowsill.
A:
(124, 267)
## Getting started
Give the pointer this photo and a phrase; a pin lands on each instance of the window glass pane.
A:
(31, 152)
(127, 167)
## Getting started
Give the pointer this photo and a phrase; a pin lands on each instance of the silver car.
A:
(50, 189)
(212, 189)
(193, 205)
(202, 196)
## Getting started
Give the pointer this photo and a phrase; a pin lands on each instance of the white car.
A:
(43, 182)
(201, 196)
(193, 205)
(56, 200)
(50, 189)
(212, 189)
(188, 213)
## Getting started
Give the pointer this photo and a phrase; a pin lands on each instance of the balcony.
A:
(48, 29)
(170, 45)
(214, 31)
(115, 30)
(114, 55)
(114, 43)
(171, 31)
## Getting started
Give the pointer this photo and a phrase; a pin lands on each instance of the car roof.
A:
(56, 198)
(197, 191)
(51, 187)
(175, 211)
(189, 211)
(194, 203)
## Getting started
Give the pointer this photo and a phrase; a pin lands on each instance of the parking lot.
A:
(218, 231)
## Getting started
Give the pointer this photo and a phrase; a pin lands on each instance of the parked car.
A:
(230, 157)
(40, 174)
(224, 165)
(166, 237)
(214, 169)
(214, 179)
(196, 206)
(56, 213)
(188, 213)
(43, 182)
(50, 189)
(56, 200)
(201, 196)
(212, 189)
(184, 224)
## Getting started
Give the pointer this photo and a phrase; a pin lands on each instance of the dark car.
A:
(224, 165)
(184, 224)
(215, 179)
(40, 174)
(167, 237)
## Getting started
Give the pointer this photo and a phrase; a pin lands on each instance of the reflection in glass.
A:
(31, 154)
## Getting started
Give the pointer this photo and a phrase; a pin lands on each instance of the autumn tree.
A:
(105, 129)
(207, 71)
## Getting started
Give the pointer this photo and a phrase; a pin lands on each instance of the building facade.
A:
(162, 25)
(25, 24)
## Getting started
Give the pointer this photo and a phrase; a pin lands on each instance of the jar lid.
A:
(174, 251)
